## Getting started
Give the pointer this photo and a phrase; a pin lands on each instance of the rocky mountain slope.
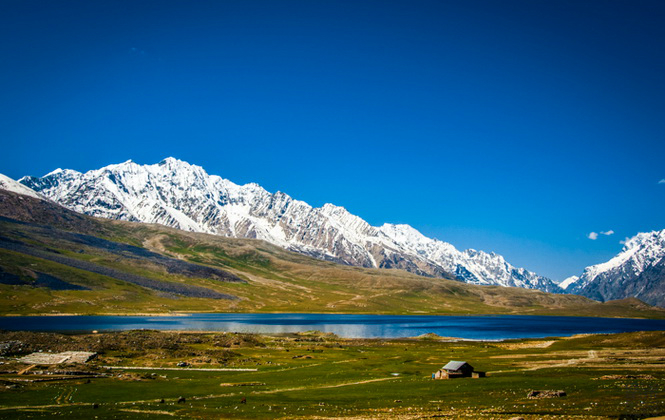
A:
(637, 271)
(176, 194)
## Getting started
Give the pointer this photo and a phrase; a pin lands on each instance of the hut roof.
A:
(454, 365)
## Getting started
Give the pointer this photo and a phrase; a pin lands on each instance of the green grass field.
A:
(312, 375)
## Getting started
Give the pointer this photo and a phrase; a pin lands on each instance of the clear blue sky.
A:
(514, 126)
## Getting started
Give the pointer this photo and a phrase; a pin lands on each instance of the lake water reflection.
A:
(353, 326)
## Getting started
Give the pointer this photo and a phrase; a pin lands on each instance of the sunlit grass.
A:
(322, 376)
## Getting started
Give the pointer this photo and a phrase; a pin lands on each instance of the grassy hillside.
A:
(56, 261)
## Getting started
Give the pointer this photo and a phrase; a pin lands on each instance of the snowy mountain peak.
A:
(128, 165)
(568, 281)
(6, 183)
(638, 251)
(178, 194)
(54, 172)
(637, 271)
(170, 161)
(645, 239)
(60, 172)
(174, 164)
(402, 233)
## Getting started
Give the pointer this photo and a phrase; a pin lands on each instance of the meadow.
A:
(314, 375)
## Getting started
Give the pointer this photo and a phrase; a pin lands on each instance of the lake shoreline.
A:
(190, 313)
(473, 327)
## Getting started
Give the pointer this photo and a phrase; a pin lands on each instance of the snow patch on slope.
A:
(567, 282)
(6, 183)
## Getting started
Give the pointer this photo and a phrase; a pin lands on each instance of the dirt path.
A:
(296, 367)
(155, 244)
(525, 345)
(66, 396)
(300, 388)
(355, 383)
(23, 371)
(164, 412)
(592, 355)
(180, 369)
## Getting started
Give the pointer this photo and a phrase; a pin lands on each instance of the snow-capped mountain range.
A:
(637, 271)
(177, 194)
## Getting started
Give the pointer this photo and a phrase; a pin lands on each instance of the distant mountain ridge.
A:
(177, 194)
(637, 271)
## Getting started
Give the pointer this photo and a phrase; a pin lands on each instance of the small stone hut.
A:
(456, 369)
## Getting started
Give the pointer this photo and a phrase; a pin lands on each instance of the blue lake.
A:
(356, 326)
